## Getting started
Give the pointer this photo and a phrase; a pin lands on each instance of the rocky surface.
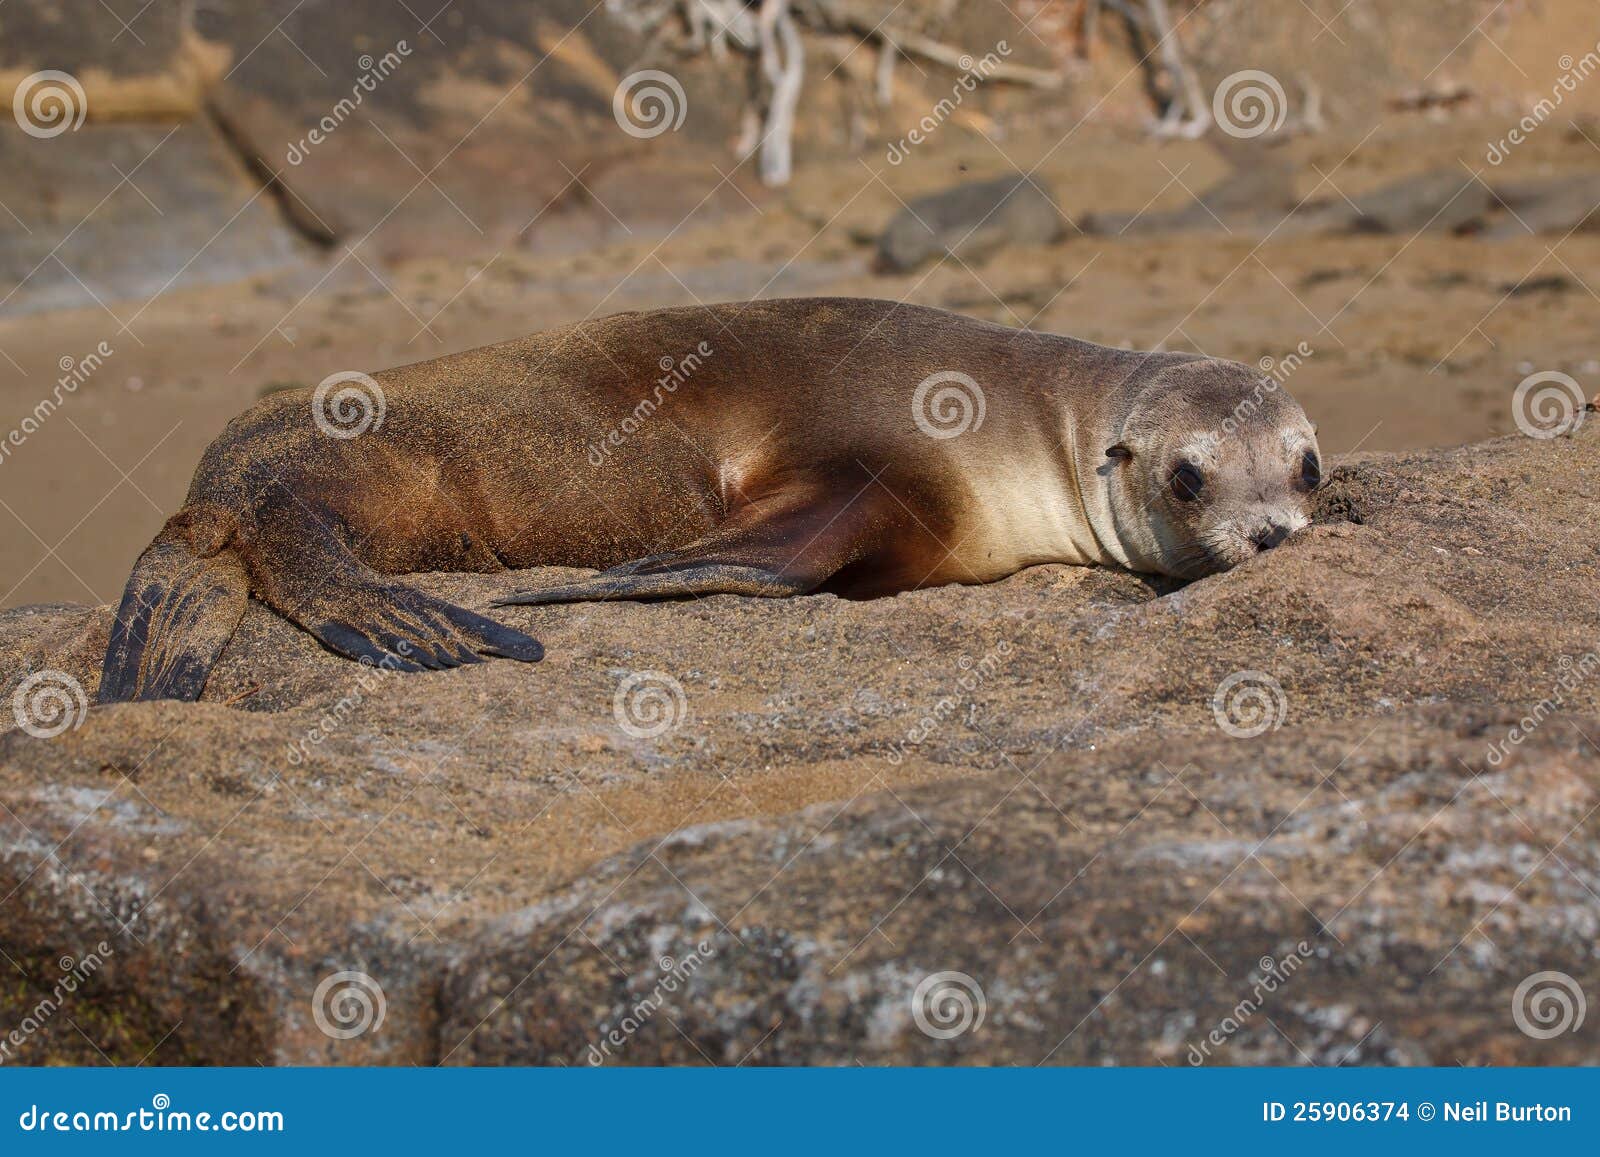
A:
(769, 848)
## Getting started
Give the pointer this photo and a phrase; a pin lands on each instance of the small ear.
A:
(1120, 452)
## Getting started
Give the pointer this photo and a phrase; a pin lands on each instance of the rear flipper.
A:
(786, 543)
(689, 580)
(177, 613)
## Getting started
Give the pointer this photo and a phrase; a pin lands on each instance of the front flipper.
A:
(787, 542)
(403, 629)
(304, 570)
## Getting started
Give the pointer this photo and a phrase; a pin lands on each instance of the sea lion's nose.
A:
(1269, 536)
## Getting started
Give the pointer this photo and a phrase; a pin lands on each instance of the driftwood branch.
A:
(915, 44)
(713, 23)
(1188, 115)
(772, 31)
(884, 81)
(783, 62)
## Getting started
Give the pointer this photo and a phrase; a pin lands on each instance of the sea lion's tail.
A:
(183, 601)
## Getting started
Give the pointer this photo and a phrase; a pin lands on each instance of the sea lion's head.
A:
(1214, 464)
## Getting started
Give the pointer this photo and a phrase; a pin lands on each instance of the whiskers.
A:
(1196, 561)
(1216, 548)
(1224, 543)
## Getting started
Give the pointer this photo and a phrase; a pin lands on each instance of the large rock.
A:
(1257, 199)
(123, 212)
(970, 222)
(115, 183)
(1562, 205)
(1026, 784)
(1257, 194)
(1436, 202)
(474, 129)
(1361, 884)
(230, 139)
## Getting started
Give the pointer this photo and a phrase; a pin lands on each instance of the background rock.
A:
(489, 125)
(971, 222)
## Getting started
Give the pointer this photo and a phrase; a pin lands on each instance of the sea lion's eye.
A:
(1186, 481)
(1310, 471)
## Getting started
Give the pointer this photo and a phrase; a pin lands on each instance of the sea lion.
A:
(769, 448)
